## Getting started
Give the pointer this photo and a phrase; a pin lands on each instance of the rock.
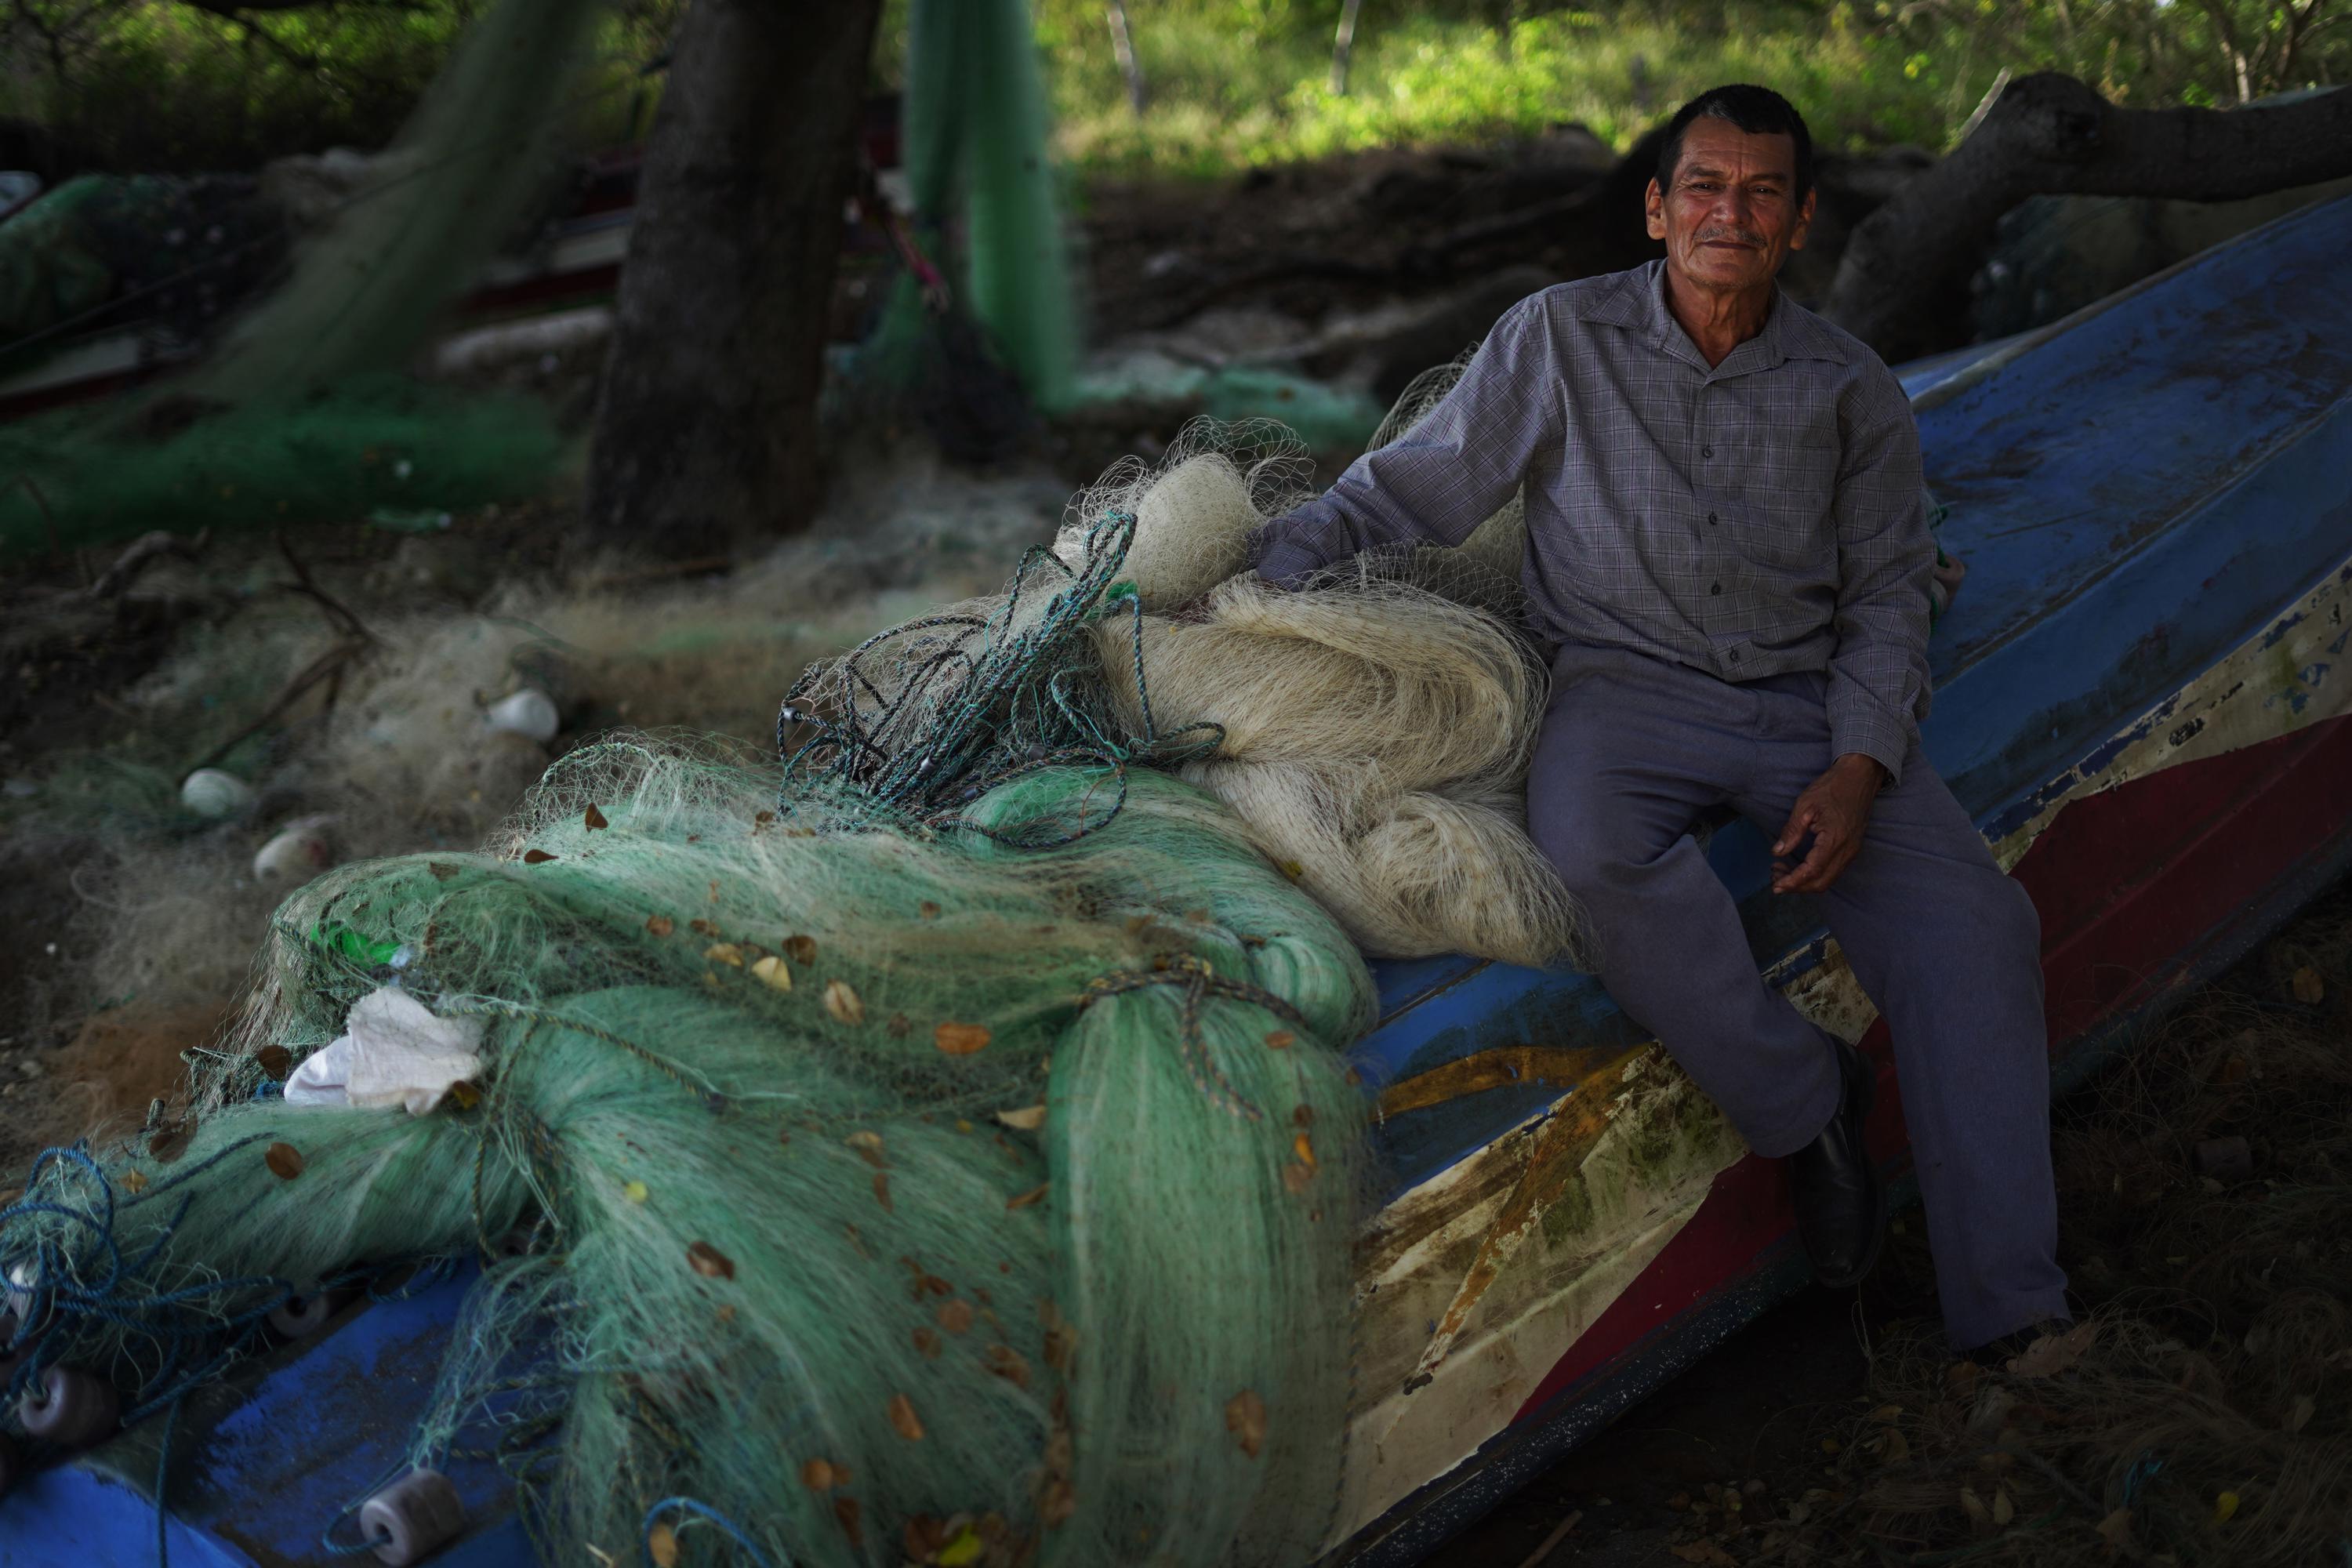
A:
(530, 713)
(214, 794)
(299, 851)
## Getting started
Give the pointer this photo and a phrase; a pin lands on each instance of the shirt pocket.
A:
(1786, 498)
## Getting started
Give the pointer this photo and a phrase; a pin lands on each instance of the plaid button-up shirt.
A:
(1748, 518)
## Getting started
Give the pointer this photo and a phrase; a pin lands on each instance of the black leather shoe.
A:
(1841, 1201)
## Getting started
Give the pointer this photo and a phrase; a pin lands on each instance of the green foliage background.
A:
(167, 86)
(177, 85)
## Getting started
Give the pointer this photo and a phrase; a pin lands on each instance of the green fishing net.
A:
(949, 1159)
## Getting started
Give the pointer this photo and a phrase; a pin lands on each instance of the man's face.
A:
(1732, 216)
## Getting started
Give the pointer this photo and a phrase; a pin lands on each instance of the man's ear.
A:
(1654, 208)
(1804, 222)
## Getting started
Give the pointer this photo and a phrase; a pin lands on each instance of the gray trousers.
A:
(1632, 750)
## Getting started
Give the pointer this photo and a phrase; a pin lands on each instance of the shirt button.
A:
(1735, 655)
(1710, 517)
(1706, 451)
(1715, 588)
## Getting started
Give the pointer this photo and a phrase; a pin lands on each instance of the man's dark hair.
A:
(1758, 110)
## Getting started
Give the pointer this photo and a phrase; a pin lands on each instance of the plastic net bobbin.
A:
(412, 1518)
(72, 1409)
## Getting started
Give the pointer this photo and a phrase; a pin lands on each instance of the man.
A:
(1727, 547)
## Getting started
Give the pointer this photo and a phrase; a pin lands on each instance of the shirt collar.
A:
(1638, 302)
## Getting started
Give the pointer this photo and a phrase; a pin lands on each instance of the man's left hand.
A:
(1834, 809)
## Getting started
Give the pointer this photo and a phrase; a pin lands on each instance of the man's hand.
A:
(1834, 809)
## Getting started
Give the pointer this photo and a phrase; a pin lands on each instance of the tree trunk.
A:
(1343, 47)
(1122, 47)
(1908, 263)
(705, 428)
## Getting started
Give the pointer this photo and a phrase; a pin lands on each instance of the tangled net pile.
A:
(950, 1158)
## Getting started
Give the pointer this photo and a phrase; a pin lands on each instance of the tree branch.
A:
(2050, 134)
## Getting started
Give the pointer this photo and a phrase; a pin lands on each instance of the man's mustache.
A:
(1736, 235)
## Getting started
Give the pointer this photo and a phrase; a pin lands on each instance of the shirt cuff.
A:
(1282, 562)
(1883, 743)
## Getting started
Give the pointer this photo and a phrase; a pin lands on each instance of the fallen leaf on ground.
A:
(2053, 1353)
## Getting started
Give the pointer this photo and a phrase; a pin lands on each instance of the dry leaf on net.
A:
(661, 1546)
(724, 952)
(134, 1181)
(959, 1039)
(2309, 988)
(772, 971)
(284, 1159)
(2003, 1510)
(1280, 1040)
(869, 1147)
(710, 1262)
(843, 1002)
(1246, 1419)
(593, 819)
(2300, 1413)
(2116, 1527)
(955, 1317)
(275, 1061)
(1035, 1194)
(1028, 1118)
(903, 1419)
(817, 1476)
(660, 925)
(536, 856)
(802, 948)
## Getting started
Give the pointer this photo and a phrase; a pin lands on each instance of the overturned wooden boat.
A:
(2140, 698)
